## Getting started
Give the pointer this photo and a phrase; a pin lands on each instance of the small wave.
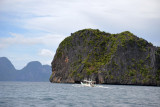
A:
(1, 102)
(79, 85)
(47, 99)
(100, 86)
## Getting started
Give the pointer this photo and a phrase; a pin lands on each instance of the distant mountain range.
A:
(34, 71)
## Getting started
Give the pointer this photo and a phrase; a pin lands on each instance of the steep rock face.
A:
(34, 71)
(7, 70)
(106, 58)
(6, 65)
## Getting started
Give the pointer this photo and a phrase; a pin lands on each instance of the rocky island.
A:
(106, 58)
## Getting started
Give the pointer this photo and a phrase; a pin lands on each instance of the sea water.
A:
(45, 94)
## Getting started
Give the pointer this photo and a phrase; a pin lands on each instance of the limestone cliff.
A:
(106, 58)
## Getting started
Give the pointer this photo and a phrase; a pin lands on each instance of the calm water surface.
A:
(45, 94)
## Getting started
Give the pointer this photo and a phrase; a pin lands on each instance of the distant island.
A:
(34, 71)
(106, 58)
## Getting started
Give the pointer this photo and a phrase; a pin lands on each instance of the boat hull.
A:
(87, 85)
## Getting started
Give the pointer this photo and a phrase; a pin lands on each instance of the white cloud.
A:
(46, 52)
(46, 56)
(64, 17)
(67, 16)
(18, 39)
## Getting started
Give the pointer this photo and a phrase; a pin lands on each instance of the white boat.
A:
(88, 83)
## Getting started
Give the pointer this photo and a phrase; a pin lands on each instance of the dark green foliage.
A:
(132, 73)
(148, 56)
(158, 75)
(158, 51)
(66, 42)
(142, 44)
(59, 53)
(131, 42)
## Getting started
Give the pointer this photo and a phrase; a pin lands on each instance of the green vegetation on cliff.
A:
(107, 58)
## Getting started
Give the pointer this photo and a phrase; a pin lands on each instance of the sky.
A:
(31, 30)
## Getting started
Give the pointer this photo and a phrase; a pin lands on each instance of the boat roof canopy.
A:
(89, 81)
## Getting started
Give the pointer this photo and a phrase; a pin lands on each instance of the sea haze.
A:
(45, 94)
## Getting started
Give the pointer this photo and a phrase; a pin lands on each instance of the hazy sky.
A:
(31, 30)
